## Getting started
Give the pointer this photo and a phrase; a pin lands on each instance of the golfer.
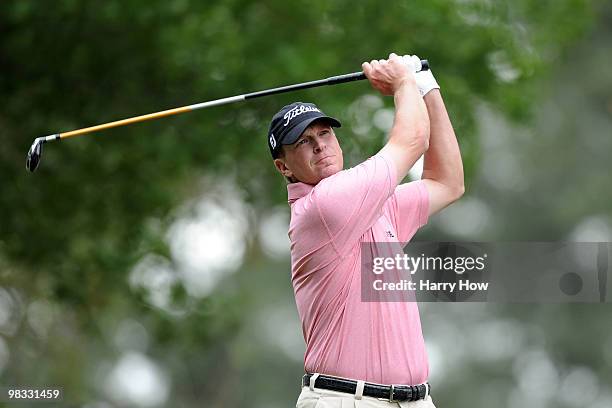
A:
(363, 354)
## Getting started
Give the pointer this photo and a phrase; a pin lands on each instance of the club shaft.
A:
(124, 122)
(223, 101)
(356, 76)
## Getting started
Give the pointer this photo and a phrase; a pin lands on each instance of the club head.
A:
(34, 154)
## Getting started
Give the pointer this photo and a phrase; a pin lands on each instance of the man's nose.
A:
(319, 145)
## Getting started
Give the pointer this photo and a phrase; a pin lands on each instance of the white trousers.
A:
(320, 398)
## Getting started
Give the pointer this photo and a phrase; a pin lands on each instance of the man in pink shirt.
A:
(367, 354)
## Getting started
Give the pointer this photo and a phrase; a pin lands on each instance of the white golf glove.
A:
(424, 79)
(425, 82)
(412, 61)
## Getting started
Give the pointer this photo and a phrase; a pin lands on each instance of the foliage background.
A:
(148, 265)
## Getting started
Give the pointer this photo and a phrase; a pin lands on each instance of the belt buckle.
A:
(391, 393)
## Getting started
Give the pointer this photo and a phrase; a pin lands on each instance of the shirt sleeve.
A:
(352, 200)
(408, 209)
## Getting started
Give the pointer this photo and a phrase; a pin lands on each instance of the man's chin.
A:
(329, 171)
(321, 174)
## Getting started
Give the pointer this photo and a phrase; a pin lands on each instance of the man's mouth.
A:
(323, 158)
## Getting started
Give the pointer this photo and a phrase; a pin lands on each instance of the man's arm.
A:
(409, 135)
(442, 168)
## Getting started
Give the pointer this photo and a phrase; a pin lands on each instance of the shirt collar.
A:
(295, 191)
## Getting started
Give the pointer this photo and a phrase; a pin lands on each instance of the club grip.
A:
(358, 76)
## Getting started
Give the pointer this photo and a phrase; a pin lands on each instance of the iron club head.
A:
(34, 154)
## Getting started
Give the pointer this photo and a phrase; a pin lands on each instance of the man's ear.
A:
(281, 166)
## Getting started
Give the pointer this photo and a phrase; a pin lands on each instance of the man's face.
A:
(313, 157)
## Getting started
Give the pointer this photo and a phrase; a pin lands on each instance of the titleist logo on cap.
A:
(297, 111)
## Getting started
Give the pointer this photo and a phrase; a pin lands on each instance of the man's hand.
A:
(388, 76)
(426, 82)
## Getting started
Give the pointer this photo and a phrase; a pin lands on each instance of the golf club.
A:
(35, 152)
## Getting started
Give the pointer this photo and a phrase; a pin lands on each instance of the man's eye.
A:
(301, 142)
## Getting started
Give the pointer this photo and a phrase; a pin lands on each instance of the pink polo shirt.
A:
(378, 342)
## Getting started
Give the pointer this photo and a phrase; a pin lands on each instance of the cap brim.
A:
(295, 133)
